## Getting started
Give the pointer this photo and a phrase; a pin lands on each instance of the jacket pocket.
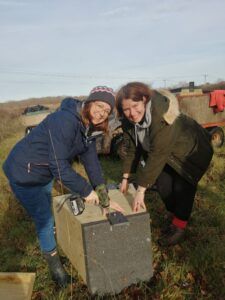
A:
(31, 165)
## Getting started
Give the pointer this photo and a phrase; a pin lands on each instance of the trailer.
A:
(196, 104)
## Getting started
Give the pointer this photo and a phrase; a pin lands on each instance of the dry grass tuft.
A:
(10, 122)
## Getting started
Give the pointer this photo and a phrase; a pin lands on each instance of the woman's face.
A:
(99, 112)
(134, 111)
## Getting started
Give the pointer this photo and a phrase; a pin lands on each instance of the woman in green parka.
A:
(176, 151)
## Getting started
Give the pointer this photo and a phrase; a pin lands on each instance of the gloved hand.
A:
(103, 196)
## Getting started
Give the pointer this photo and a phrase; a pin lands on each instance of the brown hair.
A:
(86, 119)
(132, 90)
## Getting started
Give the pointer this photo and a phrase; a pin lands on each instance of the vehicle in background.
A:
(34, 109)
(198, 105)
(111, 142)
(33, 115)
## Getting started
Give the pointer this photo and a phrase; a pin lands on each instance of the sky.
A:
(54, 48)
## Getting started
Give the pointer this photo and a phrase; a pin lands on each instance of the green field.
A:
(193, 270)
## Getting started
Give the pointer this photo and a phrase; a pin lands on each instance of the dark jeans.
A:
(177, 193)
(37, 202)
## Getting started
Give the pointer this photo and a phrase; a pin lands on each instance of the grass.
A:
(194, 269)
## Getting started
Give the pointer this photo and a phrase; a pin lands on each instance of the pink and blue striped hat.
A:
(102, 93)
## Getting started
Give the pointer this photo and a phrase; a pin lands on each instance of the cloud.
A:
(117, 11)
(171, 7)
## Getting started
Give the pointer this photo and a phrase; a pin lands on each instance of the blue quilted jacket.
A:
(49, 150)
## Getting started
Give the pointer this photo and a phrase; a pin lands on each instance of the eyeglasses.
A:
(99, 109)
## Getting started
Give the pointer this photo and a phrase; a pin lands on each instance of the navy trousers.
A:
(37, 202)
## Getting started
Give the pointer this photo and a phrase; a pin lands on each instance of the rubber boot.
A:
(58, 274)
(167, 219)
(174, 236)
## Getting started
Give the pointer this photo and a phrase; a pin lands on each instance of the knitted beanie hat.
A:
(102, 93)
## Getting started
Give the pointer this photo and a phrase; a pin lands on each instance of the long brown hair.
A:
(132, 90)
(86, 119)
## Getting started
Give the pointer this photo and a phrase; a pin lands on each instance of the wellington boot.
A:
(58, 274)
(173, 236)
(167, 219)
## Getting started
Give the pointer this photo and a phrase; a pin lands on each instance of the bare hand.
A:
(92, 198)
(114, 206)
(124, 186)
(139, 202)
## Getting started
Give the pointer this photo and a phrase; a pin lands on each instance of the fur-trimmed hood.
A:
(173, 111)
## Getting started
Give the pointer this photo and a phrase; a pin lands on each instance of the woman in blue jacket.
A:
(47, 153)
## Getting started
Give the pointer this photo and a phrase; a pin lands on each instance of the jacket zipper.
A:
(36, 164)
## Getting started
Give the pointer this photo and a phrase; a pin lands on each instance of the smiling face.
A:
(134, 111)
(99, 112)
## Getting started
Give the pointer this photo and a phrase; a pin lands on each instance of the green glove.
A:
(103, 196)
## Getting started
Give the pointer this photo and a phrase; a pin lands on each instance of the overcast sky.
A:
(53, 47)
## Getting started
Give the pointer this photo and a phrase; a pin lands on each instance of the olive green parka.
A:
(174, 139)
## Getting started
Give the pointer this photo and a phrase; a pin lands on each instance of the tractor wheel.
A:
(217, 137)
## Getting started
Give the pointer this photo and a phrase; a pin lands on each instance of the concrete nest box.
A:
(107, 257)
